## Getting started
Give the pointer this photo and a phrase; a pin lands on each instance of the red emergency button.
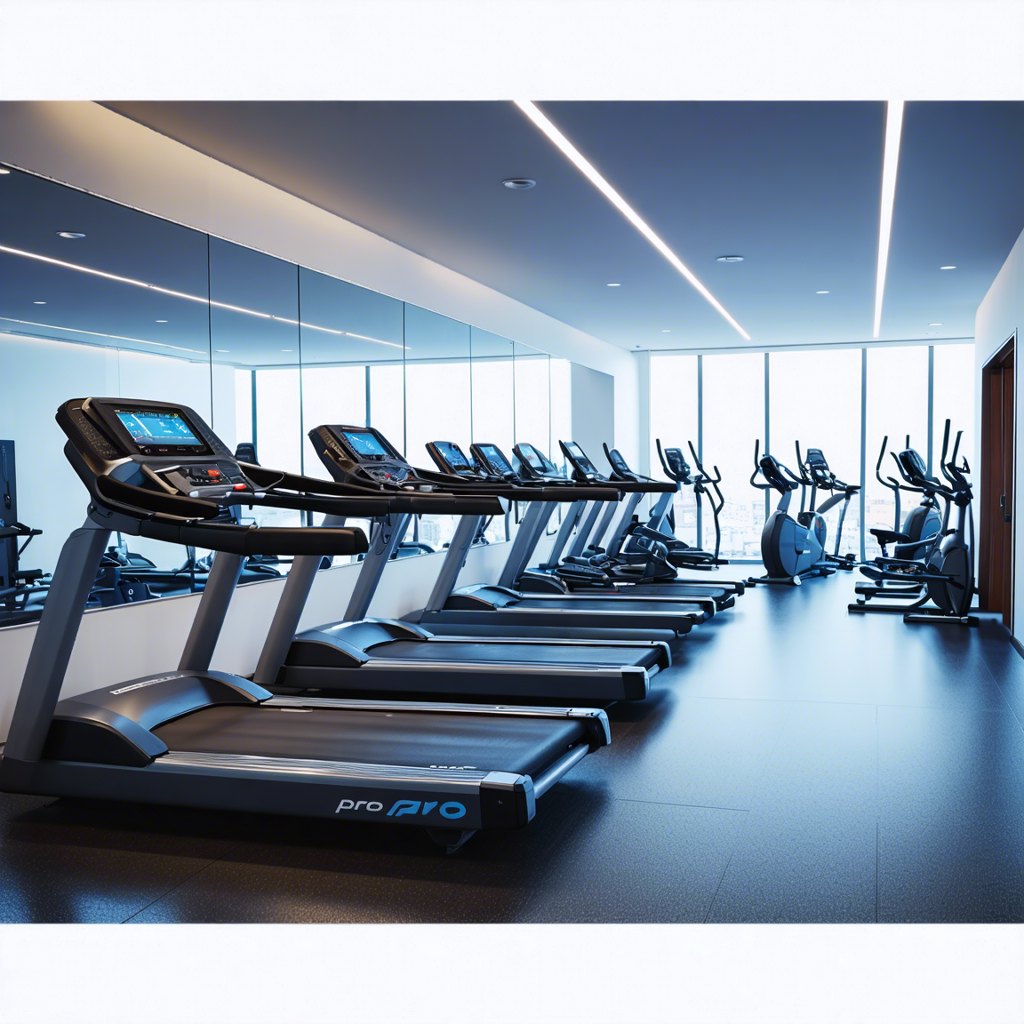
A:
(213, 472)
(240, 487)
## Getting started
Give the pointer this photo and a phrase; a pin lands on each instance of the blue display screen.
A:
(532, 456)
(365, 443)
(158, 426)
(452, 454)
(495, 459)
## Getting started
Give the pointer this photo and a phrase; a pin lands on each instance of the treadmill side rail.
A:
(390, 794)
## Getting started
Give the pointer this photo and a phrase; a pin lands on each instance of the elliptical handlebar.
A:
(718, 500)
(664, 462)
(767, 485)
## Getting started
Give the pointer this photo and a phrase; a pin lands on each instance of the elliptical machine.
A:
(816, 474)
(792, 550)
(947, 572)
(912, 539)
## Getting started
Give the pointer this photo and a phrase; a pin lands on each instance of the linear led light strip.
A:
(100, 334)
(184, 295)
(529, 108)
(890, 162)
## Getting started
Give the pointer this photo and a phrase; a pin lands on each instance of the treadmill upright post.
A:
(213, 607)
(536, 519)
(288, 612)
(569, 520)
(386, 536)
(586, 528)
(614, 546)
(458, 550)
(602, 526)
(55, 639)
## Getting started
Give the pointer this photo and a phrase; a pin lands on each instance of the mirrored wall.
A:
(99, 299)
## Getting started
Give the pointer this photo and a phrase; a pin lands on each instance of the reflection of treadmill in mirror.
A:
(487, 608)
(629, 568)
(380, 657)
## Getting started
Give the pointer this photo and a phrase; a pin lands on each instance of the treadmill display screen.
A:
(532, 457)
(453, 455)
(495, 460)
(150, 428)
(365, 445)
(579, 458)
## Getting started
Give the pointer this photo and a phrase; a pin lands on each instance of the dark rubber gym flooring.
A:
(796, 764)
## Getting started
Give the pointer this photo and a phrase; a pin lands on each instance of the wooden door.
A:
(995, 549)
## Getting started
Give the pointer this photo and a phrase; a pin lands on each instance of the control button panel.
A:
(197, 479)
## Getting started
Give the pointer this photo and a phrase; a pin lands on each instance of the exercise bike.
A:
(792, 550)
(947, 573)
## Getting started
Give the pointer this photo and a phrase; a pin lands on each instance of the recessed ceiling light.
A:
(890, 163)
(161, 321)
(71, 234)
(935, 323)
(587, 169)
(822, 292)
(38, 302)
(287, 350)
(519, 183)
(953, 267)
(223, 351)
(729, 259)
(614, 284)
(665, 330)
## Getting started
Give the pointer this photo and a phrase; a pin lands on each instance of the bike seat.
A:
(887, 537)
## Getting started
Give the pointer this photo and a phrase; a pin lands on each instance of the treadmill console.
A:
(493, 460)
(536, 465)
(450, 458)
(362, 455)
(618, 463)
(583, 468)
(156, 444)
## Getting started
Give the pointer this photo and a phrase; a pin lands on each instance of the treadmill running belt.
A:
(419, 740)
(533, 654)
(603, 604)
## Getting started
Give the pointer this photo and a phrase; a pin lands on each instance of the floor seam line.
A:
(718, 888)
(672, 803)
(174, 888)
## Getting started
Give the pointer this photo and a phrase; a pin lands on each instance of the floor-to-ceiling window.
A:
(953, 398)
(859, 406)
(897, 409)
(674, 422)
(814, 401)
(733, 412)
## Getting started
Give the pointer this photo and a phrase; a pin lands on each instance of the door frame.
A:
(988, 513)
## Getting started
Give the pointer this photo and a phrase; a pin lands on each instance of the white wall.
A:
(1000, 314)
(140, 639)
(88, 146)
(593, 411)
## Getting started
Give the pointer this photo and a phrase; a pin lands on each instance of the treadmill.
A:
(193, 737)
(493, 608)
(636, 486)
(679, 472)
(362, 656)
